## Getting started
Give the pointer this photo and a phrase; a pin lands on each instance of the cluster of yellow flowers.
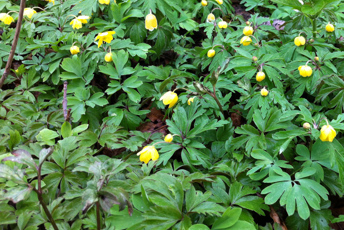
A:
(248, 31)
(149, 152)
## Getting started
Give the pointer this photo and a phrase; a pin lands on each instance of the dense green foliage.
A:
(242, 149)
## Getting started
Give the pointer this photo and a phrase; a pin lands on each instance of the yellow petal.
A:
(150, 22)
(154, 154)
(174, 101)
(145, 157)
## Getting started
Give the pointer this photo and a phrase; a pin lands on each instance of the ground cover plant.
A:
(156, 114)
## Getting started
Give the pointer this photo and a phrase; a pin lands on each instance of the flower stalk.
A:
(14, 43)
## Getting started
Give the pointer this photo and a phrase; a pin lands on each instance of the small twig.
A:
(14, 43)
(276, 218)
(213, 95)
(64, 102)
(98, 215)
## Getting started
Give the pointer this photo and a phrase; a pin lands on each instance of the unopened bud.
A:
(199, 87)
(247, 23)
(306, 125)
(316, 58)
(311, 40)
(214, 77)
(256, 44)
(255, 59)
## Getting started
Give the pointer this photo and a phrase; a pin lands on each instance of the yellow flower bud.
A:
(211, 53)
(108, 57)
(327, 133)
(246, 40)
(316, 58)
(247, 23)
(191, 100)
(260, 76)
(211, 17)
(106, 2)
(305, 71)
(74, 50)
(222, 25)
(29, 12)
(148, 153)
(168, 138)
(329, 27)
(254, 58)
(150, 22)
(306, 125)
(248, 30)
(204, 3)
(219, 2)
(299, 41)
(264, 92)
(169, 98)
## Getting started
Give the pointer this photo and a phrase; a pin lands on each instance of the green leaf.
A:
(199, 227)
(47, 136)
(72, 65)
(66, 129)
(228, 219)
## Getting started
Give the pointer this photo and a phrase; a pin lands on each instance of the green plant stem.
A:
(98, 215)
(314, 28)
(41, 201)
(47, 212)
(217, 100)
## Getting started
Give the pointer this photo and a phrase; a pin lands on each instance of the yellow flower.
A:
(222, 25)
(210, 17)
(327, 133)
(168, 138)
(305, 71)
(83, 19)
(150, 22)
(76, 24)
(246, 40)
(5, 18)
(260, 76)
(148, 153)
(108, 57)
(306, 125)
(248, 30)
(299, 41)
(211, 53)
(264, 92)
(105, 37)
(169, 98)
(53, 1)
(220, 2)
(191, 100)
(204, 3)
(329, 27)
(106, 2)
(29, 12)
(74, 50)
